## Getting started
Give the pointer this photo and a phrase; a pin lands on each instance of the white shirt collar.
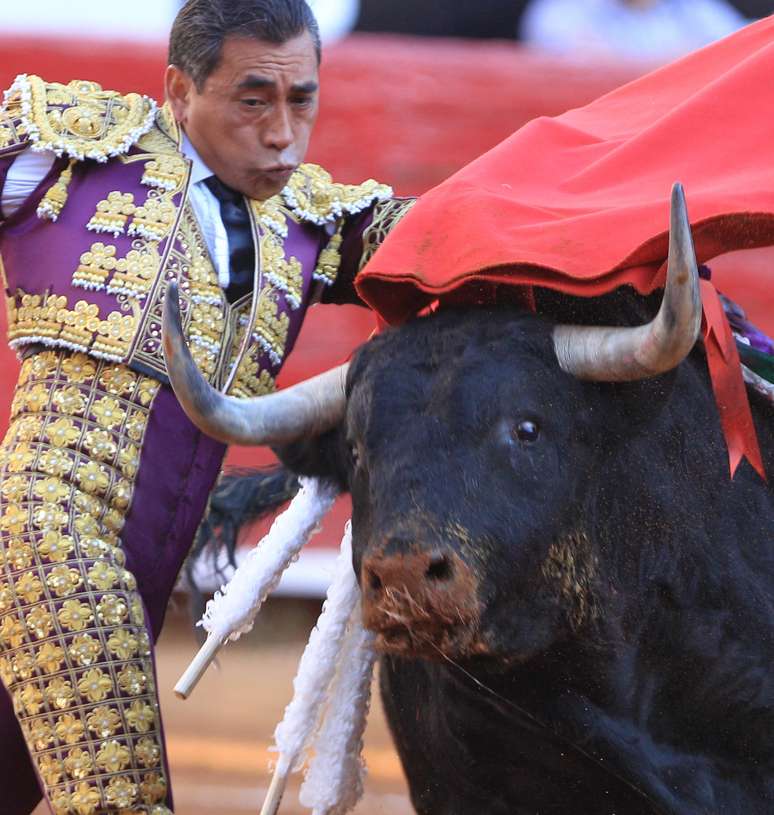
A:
(199, 170)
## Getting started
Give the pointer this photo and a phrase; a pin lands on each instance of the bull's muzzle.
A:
(419, 601)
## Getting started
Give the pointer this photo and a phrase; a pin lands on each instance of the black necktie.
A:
(233, 211)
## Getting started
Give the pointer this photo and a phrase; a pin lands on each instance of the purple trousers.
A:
(103, 482)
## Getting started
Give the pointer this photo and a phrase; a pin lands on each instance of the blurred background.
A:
(411, 91)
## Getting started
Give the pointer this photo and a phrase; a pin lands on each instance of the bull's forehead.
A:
(453, 372)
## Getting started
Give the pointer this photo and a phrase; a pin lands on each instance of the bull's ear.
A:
(322, 456)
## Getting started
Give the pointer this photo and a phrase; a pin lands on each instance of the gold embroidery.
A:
(203, 282)
(135, 273)
(50, 320)
(121, 793)
(272, 214)
(271, 327)
(285, 275)
(118, 380)
(13, 132)
(81, 120)
(78, 763)
(13, 136)
(206, 326)
(12, 632)
(112, 213)
(146, 390)
(153, 788)
(50, 769)
(77, 368)
(114, 335)
(330, 260)
(84, 650)
(189, 262)
(103, 721)
(385, 216)
(74, 650)
(55, 198)
(95, 266)
(92, 478)
(69, 400)
(154, 219)
(194, 262)
(113, 757)
(167, 172)
(84, 799)
(80, 324)
(205, 360)
(313, 196)
(251, 380)
(164, 138)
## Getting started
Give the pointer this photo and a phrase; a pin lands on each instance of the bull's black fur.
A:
(626, 582)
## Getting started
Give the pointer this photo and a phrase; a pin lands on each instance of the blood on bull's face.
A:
(467, 450)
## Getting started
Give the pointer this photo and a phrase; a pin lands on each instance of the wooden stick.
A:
(276, 790)
(199, 664)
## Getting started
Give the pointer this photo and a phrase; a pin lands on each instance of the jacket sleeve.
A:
(361, 237)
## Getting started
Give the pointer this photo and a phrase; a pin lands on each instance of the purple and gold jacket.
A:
(88, 257)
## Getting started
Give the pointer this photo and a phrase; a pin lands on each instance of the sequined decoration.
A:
(75, 653)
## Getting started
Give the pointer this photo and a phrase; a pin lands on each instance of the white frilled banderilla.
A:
(324, 723)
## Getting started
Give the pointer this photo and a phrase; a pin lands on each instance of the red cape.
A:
(580, 202)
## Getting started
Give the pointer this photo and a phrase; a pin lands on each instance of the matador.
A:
(107, 198)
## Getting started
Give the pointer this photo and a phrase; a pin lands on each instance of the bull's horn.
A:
(306, 409)
(625, 354)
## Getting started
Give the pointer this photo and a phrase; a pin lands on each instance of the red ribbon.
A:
(727, 384)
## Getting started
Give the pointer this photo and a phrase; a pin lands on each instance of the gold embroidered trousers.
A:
(75, 643)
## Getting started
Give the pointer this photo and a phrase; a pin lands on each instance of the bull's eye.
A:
(527, 431)
(354, 456)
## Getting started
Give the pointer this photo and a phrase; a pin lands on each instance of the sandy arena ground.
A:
(218, 740)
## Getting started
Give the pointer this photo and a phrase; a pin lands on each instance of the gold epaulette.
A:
(313, 196)
(78, 120)
(13, 130)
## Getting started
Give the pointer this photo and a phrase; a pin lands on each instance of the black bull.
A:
(574, 602)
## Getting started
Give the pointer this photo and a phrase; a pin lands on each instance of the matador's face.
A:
(252, 119)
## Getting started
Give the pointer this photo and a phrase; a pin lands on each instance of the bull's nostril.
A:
(374, 581)
(439, 569)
